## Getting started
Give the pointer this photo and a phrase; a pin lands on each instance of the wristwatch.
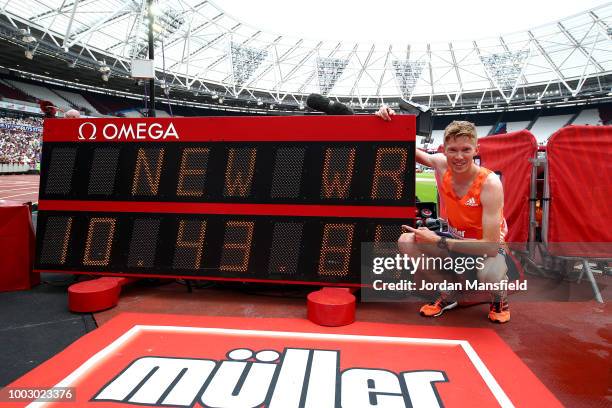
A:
(442, 244)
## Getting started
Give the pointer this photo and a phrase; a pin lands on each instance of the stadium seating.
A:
(516, 126)
(19, 145)
(130, 113)
(588, 117)
(161, 113)
(107, 104)
(482, 131)
(40, 92)
(437, 137)
(545, 126)
(13, 94)
(78, 101)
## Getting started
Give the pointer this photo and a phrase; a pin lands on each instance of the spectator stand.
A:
(20, 144)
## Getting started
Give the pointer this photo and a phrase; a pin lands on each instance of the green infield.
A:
(426, 187)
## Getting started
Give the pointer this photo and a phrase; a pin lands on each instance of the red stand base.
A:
(331, 307)
(96, 295)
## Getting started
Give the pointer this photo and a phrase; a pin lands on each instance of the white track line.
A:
(6, 190)
(19, 195)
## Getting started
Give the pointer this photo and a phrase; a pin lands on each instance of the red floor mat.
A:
(154, 360)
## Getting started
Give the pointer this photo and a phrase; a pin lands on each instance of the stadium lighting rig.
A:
(26, 36)
(245, 61)
(163, 22)
(329, 70)
(104, 70)
(505, 68)
(407, 73)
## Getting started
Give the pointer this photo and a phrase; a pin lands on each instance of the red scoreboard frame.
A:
(222, 198)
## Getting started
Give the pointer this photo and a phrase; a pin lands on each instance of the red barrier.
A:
(16, 247)
(509, 154)
(580, 180)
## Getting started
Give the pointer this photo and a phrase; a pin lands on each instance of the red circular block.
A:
(331, 307)
(94, 295)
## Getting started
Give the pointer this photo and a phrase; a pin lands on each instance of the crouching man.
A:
(473, 198)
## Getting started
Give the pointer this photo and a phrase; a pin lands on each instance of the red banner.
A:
(509, 155)
(580, 180)
(17, 243)
(219, 129)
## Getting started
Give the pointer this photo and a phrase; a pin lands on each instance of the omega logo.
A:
(128, 131)
(90, 131)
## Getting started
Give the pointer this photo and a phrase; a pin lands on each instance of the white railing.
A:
(15, 168)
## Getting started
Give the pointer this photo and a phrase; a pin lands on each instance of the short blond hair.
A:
(458, 128)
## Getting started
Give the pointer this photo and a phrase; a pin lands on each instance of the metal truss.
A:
(206, 49)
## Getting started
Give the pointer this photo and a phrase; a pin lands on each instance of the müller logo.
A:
(292, 379)
(128, 131)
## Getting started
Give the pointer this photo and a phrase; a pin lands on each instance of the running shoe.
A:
(438, 306)
(499, 311)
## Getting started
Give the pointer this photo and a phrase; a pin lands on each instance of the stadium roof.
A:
(205, 47)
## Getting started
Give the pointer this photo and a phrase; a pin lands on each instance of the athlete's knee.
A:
(494, 270)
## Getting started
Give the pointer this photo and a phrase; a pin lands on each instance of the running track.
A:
(22, 188)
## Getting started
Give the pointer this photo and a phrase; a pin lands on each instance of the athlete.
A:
(473, 200)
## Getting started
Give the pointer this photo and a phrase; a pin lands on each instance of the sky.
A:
(400, 20)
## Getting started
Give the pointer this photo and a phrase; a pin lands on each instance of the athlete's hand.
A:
(422, 235)
(385, 112)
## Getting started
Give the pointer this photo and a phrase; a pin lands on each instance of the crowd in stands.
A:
(20, 139)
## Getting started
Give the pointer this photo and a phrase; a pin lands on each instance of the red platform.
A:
(96, 295)
(331, 307)
(16, 247)
(434, 366)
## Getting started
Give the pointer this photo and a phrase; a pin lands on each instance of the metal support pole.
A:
(533, 188)
(152, 58)
(545, 203)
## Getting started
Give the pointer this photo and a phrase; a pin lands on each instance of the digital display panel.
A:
(371, 173)
(260, 247)
(284, 199)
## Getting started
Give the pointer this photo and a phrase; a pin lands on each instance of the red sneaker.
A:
(438, 306)
(499, 312)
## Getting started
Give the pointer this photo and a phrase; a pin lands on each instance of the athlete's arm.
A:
(435, 161)
(492, 200)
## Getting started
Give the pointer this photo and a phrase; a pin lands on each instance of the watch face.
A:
(442, 243)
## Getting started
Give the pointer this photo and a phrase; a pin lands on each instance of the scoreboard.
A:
(281, 199)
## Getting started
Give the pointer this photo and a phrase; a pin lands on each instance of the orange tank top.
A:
(464, 214)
